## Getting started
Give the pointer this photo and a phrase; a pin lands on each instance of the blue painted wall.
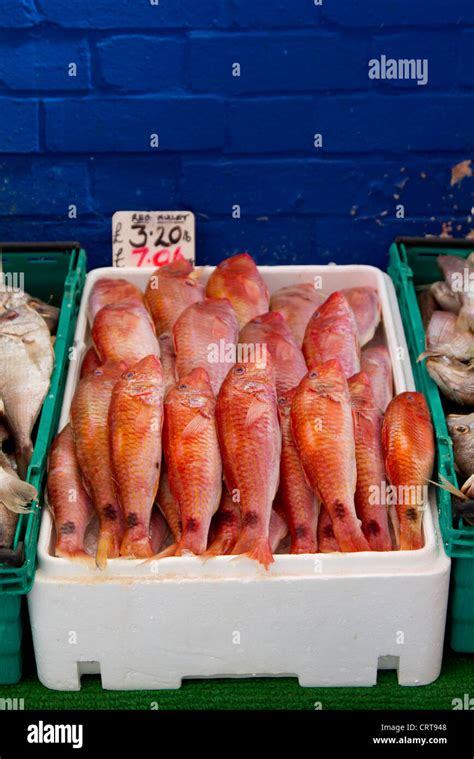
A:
(166, 68)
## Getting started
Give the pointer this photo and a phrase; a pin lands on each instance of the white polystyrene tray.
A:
(355, 590)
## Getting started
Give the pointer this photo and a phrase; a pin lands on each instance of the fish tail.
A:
(164, 554)
(411, 538)
(136, 548)
(261, 552)
(108, 547)
(432, 353)
(78, 554)
(258, 549)
(15, 494)
(219, 547)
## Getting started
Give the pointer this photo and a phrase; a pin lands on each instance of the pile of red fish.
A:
(216, 420)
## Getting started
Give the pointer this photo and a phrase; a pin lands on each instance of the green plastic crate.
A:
(54, 272)
(413, 263)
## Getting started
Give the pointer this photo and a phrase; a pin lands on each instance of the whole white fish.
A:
(26, 364)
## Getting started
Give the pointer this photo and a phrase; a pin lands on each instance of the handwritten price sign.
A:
(152, 238)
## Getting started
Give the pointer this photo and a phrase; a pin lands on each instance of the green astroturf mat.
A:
(456, 680)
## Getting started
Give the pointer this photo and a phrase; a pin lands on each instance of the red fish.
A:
(250, 438)
(365, 304)
(297, 304)
(376, 363)
(408, 444)
(135, 423)
(68, 499)
(89, 421)
(238, 279)
(205, 336)
(170, 290)
(109, 291)
(332, 334)
(295, 494)
(272, 331)
(124, 332)
(192, 457)
(323, 429)
(90, 362)
(370, 464)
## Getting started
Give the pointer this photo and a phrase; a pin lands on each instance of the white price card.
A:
(152, 238)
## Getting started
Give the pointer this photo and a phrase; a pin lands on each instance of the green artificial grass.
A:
(457, 679)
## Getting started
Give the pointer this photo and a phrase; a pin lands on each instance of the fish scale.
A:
(192, 456)
(321, 417)
(71, 516)
(250, 438)
(135, 423)
(89, 421)
(408, 444)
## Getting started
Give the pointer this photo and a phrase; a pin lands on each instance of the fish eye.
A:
(281, 401)
(130, 375)
(239, 370)
(164, 337)
(183, 386)
(461, 428)
(98, 372)
(313, 375)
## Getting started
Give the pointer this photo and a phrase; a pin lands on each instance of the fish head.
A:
(239, 273)
(252, 376)
(241, 263)
(326, 379)
(109, 372)
(144, 379)
(193, 391)
(360, 388)
(285, 400)
(415, 403)
(335, 310)
(460, 425)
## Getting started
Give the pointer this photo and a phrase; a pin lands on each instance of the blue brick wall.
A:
(84, 85)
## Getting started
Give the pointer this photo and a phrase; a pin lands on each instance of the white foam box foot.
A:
(327, 619)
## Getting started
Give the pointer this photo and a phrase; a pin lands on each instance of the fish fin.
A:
(219, 548)
(196, 273)
(445, 484)
(81, 556)
(15, 494)
(164, 554)
(196, 426)
(428, 354)
(468, 487)
(261, 552)
(107, 548)
(256, 409)
(136, 549)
